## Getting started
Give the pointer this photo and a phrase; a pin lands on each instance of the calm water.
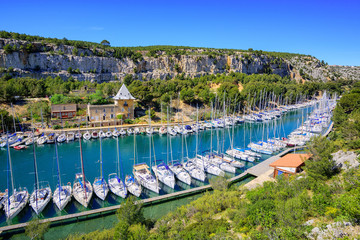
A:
(69, 156)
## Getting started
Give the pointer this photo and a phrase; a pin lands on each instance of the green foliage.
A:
(321, 164)
(128, 121)
(130, 211)
(75, 51)
(219, 183)
(107, 234)
(152, 114)
(6, 120)
(38, 107)
(36, 230)
(138, 232)
(8, 49)
(187, 95)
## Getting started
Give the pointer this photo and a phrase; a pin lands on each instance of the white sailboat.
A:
(82, 189)
(62, 194)
(18, 199)
(177, 167)
(116, 185)
(162, 170)
(194, 171)
(41, 195)
(131, 183)
(100, 185)
(143, 175)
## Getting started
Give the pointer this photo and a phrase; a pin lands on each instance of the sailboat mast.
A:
(82, 165)
(118, 156)
(58, 168)
(150, 138)
(10, 165)
(211, 127)
(197, 132)
(101, 170)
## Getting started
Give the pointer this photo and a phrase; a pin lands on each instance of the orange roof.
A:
(290, 160)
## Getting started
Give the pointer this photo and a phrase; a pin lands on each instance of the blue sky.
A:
(328, 30)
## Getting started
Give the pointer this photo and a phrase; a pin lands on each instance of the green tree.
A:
(75, 51)
(8, 48)
(187, 95)
(130, 211)
(321, 164)
(36, 230)
(128, 79)
(219, 183)
(152, 114)
(105, 43)
(138, 232)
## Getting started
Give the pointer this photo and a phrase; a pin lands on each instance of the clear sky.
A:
(326, 29)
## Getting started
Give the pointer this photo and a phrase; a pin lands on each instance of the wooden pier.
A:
(256, 171)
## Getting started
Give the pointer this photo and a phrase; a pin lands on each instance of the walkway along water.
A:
(256, 171)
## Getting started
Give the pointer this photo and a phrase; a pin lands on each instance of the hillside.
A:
(37, 57)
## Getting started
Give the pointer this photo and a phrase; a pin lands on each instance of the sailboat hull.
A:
(17, 203)
(39, 199)
(62, 199)
(79, 193)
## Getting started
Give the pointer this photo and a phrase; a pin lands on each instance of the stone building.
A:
(63, 110)
(123, 105)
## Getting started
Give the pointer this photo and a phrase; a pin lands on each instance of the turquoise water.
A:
(70, 159)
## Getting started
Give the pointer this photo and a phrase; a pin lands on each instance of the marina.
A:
(217, 139)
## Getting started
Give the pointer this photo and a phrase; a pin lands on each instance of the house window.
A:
(125, 104)
(104, 110)
(111, 116)
(122, 109)
(96, 111)
(112, 110)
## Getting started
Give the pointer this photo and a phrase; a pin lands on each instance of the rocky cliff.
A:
(39, 60)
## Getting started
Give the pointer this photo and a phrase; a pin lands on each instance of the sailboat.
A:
(162, 170)
(101, 188)
(190, 166)
(82, 189)
(143, 175)
(62, 194)
(41, 195)
(115, 183)
(131, 183)
(177, 167)
(18, 199)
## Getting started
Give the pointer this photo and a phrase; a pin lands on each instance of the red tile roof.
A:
(290, 160)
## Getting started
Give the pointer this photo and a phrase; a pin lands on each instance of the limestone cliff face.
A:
(51, 60)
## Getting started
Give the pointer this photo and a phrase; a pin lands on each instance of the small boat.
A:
(133, 186)
(101, 188)
(42, 140)
(30, 141)
(108, 134)
(194, 170)
(61, 138)
(116, 133)
(142, 130)
(50, 138)
(130, 131)
(164, 174)
(209, 167)
(122, 132)
(180, 173)
(78, 135)
(16, 203)
(40, 198)
(82, 190)
(18, 199)
(87, 135)
(162, 131)
(102, 134)
(20, 147)
(136, 131)
(171, 131)
(94, 134)
(115, 183)
(145, 178)
(117, 186)
(70, 137)
(62, 194)
(149, 130)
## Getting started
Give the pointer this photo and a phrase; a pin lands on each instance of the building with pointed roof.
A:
(123, 105)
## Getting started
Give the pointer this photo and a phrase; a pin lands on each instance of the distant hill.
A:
(39, 57)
